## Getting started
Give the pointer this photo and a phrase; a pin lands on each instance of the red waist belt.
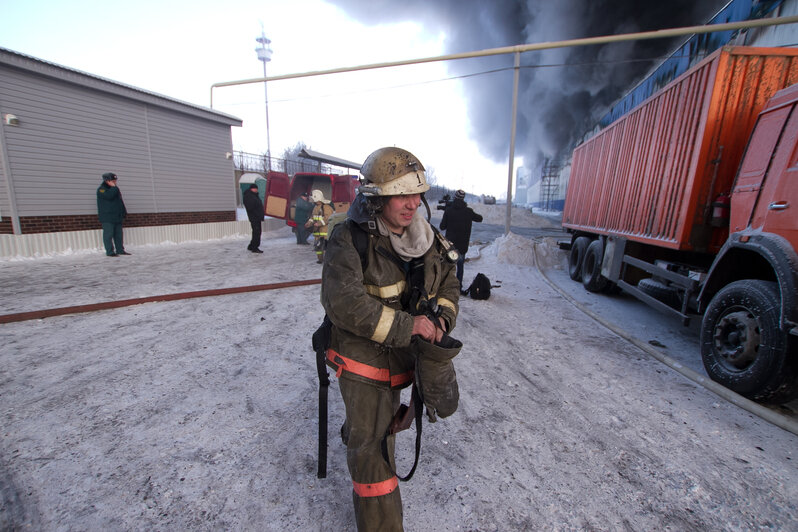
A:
(364, 370)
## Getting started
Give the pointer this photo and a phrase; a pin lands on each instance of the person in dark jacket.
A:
(254, 207)
(111, 211)
(457, 220)
(301, 214)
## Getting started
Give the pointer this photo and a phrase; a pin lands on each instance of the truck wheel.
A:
(660, 291)
(577, 257)
(592, 279)
(742, 346)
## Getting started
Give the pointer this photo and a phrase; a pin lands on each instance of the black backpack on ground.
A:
(480, 287)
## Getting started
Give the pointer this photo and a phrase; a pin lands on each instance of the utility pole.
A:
(264, 52)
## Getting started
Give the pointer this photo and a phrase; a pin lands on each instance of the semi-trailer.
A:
(689, 202)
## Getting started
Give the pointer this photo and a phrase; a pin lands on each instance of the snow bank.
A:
(521, 251)
(512, 249)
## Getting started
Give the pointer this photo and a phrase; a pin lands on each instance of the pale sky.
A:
(180, 48)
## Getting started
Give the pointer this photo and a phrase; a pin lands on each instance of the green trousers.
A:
(112, 238)
(369, 409)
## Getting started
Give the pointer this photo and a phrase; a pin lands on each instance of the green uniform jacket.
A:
(369, 324)
(110, 207)
(302, 211)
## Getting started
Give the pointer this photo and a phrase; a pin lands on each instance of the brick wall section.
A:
(85, 222)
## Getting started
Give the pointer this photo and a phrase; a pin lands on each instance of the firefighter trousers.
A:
(369, 409)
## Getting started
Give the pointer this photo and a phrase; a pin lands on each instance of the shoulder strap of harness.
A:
(360, 239)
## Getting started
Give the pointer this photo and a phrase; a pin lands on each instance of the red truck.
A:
(283, 190)
(690, 203)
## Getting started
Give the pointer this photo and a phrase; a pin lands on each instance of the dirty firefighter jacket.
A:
(369, 324)
(371, 351)
(321, 214)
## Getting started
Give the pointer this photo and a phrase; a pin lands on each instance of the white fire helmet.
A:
(318, 196)
(393, 172)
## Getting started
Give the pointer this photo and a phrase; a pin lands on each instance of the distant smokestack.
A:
(556, 104)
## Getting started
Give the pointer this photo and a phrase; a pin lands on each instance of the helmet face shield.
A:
(410, 183)
(393, 172)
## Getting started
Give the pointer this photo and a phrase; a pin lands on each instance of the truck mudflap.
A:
(734, 262)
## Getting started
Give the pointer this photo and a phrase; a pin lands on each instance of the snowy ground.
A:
(201, 414)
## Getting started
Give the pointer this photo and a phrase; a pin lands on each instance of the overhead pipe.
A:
(521, 48)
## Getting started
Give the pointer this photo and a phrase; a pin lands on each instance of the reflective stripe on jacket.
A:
(321, 214)
(370, 326)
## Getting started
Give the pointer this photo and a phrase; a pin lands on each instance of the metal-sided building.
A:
(61, 129)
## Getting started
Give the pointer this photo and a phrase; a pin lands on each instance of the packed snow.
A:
(200, 414)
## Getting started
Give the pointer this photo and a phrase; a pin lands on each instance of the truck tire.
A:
(742, 346)
(577, 257)
(660, 291)
(592, 279)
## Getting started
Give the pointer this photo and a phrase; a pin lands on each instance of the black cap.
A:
(109, 176)
(253, 185)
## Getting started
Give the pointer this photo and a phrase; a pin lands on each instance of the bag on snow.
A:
(480, 287)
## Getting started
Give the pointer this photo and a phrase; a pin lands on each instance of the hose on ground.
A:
(721, 391)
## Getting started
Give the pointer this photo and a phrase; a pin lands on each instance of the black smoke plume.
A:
(557, 104)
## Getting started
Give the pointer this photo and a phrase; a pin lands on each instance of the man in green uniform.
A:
(111, 211)
(301, 214)
(376, 335)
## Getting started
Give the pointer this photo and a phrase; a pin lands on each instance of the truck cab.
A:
(749, 333)
(283, 190)
(765, 195)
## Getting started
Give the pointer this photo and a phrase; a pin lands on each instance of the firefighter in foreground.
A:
(389, 288)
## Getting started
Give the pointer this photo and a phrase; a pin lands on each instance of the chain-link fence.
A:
(261, 163)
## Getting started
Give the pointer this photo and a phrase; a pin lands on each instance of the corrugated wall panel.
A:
(67, 138)
(661, 157)
(202, 175)
(69, 135)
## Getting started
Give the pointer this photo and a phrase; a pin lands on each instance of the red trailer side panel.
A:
(652, 175)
